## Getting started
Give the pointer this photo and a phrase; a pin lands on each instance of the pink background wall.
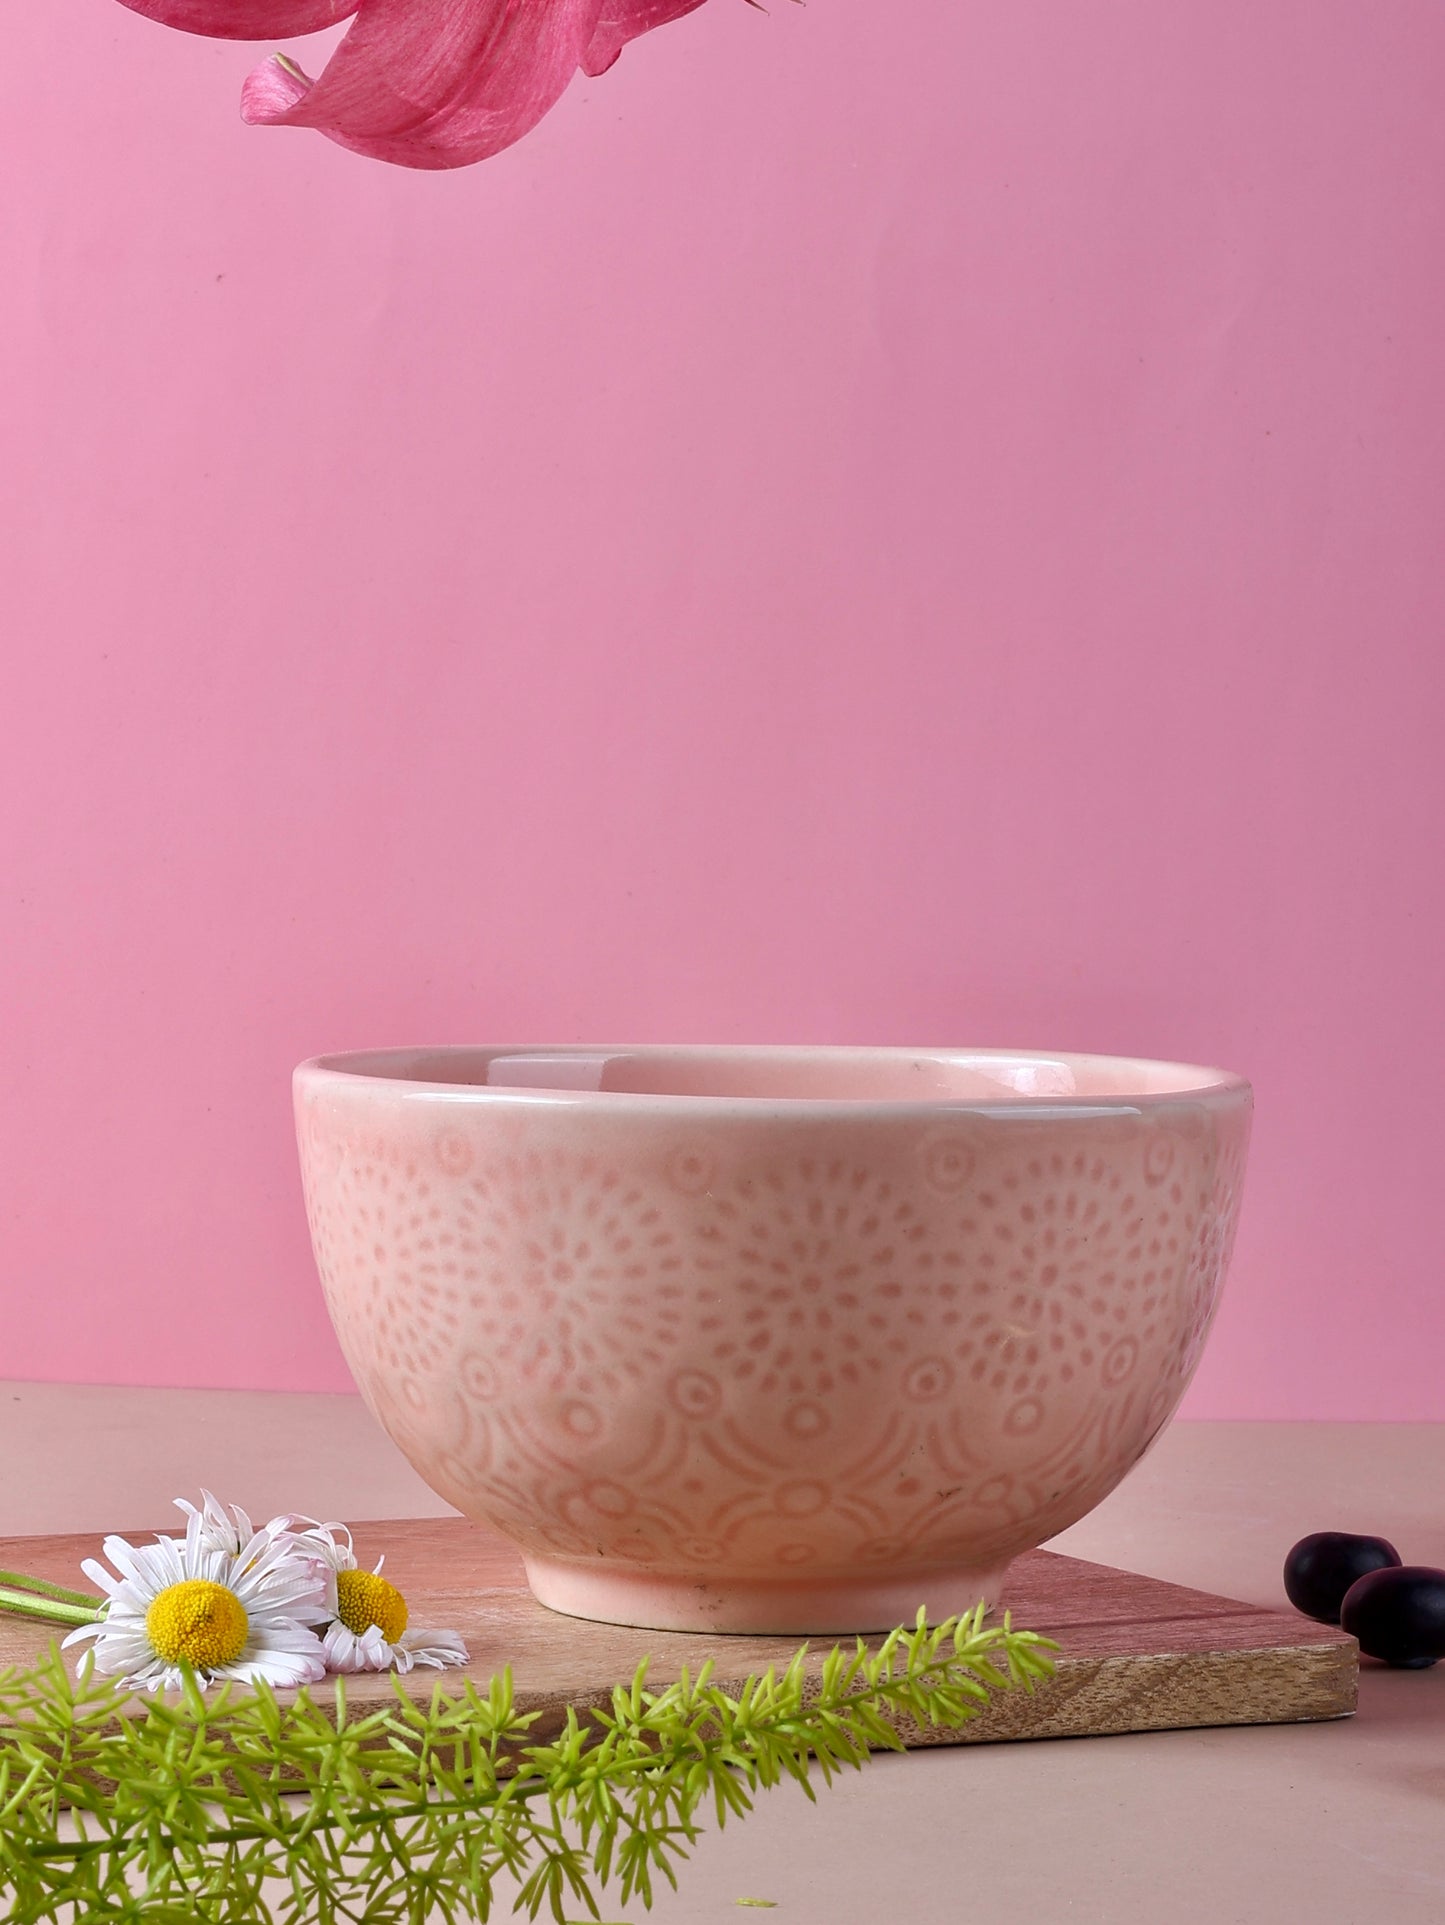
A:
(894, 522)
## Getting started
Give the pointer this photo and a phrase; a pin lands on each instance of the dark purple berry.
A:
(1398, 1615)
(1320, 1569)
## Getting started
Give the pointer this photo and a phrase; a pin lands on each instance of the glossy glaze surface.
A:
(776, 1339)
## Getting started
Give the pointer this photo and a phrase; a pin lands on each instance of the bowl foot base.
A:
(797, 1608)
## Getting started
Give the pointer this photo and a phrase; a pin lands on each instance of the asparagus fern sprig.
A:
(247, 1807)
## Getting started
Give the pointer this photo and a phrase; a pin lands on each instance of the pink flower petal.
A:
(623, 20)
(245, 19)
(270, 91)
(439, 85)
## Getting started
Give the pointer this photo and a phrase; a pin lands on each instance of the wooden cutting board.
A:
(1136, 1654)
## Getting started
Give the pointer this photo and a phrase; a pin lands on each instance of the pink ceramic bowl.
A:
(789, 1340)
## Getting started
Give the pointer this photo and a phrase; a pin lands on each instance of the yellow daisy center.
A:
(364, 1599)
(199, 1621)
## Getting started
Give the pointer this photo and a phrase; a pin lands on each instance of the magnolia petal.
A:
(270, 91)
(245, 19)
(623, 20)
(435, 86)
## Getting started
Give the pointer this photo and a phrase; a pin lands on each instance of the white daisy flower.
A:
(368, 1628)
(244, 1615)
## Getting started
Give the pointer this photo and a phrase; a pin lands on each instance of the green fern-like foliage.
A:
(242, 1809)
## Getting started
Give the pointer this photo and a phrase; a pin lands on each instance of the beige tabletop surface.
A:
(1340, 1824)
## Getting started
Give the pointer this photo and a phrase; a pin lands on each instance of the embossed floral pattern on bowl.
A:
(785, 1340)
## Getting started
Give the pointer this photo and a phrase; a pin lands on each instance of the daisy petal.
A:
(133, 1561)
(329, 1541)
(436, 86)
(288, 1637)
(245, 19)
(343, 1650)
(161, 1563)
(308, 1593)
(215, 1527)
(124, 1653)
(438, 1648)
(623, 20)
(277, 1667)
(98, 1574)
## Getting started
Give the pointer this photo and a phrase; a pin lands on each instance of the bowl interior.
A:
(786, 1075)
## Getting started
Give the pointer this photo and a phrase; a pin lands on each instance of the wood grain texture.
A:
(1136, 1654)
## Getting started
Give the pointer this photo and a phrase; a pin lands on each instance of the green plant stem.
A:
(50, 1610)
(19, 1581)
(183, 1811)
(794, 1724)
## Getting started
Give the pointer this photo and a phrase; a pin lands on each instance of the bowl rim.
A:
(1182, 1082)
